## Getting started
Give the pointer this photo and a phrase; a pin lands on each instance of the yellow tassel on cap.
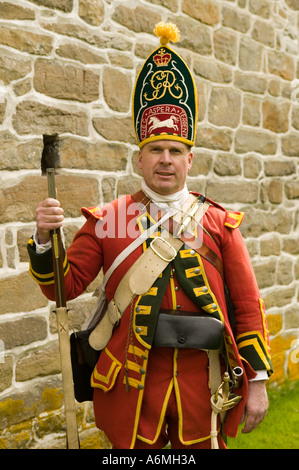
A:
(167, 32)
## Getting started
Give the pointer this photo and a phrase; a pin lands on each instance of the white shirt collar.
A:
(175, 200)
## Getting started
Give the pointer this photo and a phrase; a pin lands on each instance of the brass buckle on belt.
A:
(157, 253)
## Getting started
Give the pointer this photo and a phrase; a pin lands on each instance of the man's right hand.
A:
(49, 216)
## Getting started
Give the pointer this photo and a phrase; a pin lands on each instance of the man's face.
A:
(165, 165)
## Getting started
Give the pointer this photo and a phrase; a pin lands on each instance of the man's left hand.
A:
(256, 405)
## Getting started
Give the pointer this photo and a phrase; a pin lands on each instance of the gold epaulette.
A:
(95, 212)
(233, 219)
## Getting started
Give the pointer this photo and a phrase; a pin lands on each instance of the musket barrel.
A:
(62, 327)
(57, 248)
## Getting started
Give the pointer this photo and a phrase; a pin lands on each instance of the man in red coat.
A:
(148, 387)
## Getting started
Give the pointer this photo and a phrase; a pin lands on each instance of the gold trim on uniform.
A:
(234, 219)
(253, 347)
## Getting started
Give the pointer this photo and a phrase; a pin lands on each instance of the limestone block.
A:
(38, 363)
(251, 111)
(235, 19)
(260, 7)
(26, 41)
(225, 107)
(9, 11)
(290, 144)
(30, 401)
(99, 155)
(285, 271)
(19, 201)
(292, 189)
(264, 33)
(64, 5)
(114, 128)
(250, 82)
(255, 141)
(279, 297)
(117, 89)
(24, 331)
(139, 19)
(279, 167)
(227, 165)
(265, 272)
(281, 64)
(23, 235)
(270, 245)
(6, 369)
(16, 154)
(275, 116)
(170, 4)
(64, 81)
(209, 69)
(202, 163)
(92, 11)
(205, 11)
(295, 117)
(20, 293)
(226, 46)
(258, 222)
(250, 55)
(13, 66)
(195, 36)
(275, 191)
(82, 54)
(291, 245)
(128, 185)
(213, 138)
(293, 4)
(232, 191)
(32, 117)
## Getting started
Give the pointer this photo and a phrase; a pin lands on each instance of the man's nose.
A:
(165, 158)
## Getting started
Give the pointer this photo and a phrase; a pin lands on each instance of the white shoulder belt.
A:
(142, 274)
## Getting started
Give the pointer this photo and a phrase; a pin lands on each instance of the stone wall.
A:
(67, 69)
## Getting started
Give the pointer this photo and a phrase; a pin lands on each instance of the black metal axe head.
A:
(51, 153)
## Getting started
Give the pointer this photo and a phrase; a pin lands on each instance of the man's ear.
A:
(139, 160)
(190, 160)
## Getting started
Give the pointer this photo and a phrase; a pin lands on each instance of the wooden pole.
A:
(63, 330)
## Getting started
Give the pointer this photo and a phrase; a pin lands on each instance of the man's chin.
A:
(165, 190)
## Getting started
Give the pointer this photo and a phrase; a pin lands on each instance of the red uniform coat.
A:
(152, 373)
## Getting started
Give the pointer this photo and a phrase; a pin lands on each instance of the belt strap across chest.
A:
(174, 227)
(138, 280)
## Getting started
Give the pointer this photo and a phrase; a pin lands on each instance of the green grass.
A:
(280, 428)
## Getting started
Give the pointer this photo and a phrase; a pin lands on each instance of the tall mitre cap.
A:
(165, 98)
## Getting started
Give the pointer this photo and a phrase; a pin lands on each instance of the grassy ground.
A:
(280, 429)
